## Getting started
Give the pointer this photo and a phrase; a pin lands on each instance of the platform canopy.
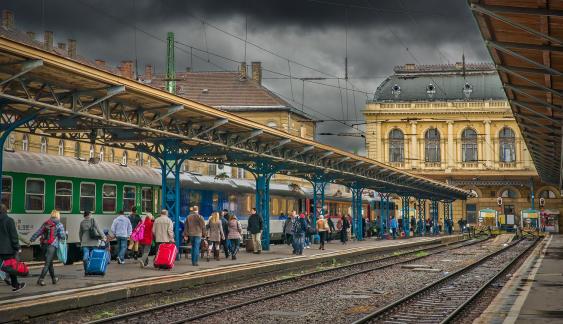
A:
(69, 99)
(525, 40)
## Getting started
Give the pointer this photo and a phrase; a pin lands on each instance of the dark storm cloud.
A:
(381, 34)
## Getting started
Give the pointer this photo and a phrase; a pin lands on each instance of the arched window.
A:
(92, 152)
(77, 150)
(432, 145)
(61, 148)
(124, 158)
(149, 162)
(509, 193)
(396, 146)
(9, 144)
(112, 155)
(43, 144)
(507, 142)
(138, 159)
(547, 194)
(469, 145)
(101, 155)
(25, 143)
(474, 193)
(272, 124)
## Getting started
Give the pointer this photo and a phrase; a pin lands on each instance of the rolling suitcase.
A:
(97, 263)
(249, 243)
(166, 255)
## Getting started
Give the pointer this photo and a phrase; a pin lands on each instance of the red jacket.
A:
(147, 235)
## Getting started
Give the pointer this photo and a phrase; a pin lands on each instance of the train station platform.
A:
(75, 290)
(535, 292)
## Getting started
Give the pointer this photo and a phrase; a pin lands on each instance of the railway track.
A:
(442, 300)
(205, 306)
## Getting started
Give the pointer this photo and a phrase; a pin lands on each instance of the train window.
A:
(129, 193)
(87, 197)
(34, 195)
(147, 197)
(109, 198)
(63, 196)
(7, 192)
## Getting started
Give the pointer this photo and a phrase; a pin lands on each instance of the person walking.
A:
(215, 234)
(51, 232)
(234, 236)
(344, 226)
(121, 229)
(394, 226)
(255, 226)
(413, 225)
(331, 228)
(299, 230)
(287, 227)
(133, 247)
(194, 230)
(163, 229)
(9, 244)
(225, 224)
(90, 235)
(322, 229)
(146, 242)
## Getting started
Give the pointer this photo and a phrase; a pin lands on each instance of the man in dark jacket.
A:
(255, 225)
(225, 224)
(9, 244)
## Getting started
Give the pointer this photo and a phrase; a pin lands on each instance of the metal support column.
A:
(263, 172)
(384, 213)
(420, 228)
(446, 219)
(406, 214)
(357, 190)
(434, 215)
(6, 129)
(319, 182)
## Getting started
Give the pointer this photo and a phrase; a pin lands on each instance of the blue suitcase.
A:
(97, 263)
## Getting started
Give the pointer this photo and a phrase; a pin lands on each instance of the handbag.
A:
(62, 251)
(15, 267)
(94, 234)
(138, 232)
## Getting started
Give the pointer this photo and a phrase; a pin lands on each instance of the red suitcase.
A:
(165, 256)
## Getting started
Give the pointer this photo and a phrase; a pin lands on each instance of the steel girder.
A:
(319, 181)
(406, 215)
(434, 209)
(357, 190)
(447, 219)
(421, 228)
(384, 213)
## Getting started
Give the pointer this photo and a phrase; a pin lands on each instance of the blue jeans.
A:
(86, 250)
(121, 248)
(234, 245)
(196, 240)
(298, 243)
(394, 230)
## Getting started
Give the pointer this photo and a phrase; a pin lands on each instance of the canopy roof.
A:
(525, 40)
(69, 99)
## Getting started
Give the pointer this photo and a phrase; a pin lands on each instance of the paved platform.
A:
(122, 281)
(535, 292)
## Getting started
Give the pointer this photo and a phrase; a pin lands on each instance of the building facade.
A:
(453, 123)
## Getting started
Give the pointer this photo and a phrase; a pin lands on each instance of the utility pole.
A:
(170, 65)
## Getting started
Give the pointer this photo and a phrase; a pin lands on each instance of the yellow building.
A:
(453, 123)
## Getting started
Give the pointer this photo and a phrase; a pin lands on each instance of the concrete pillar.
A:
(379, 149)
(450, 152)
(414, 146)
(488, 149)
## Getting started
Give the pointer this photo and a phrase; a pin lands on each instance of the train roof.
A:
(55, 165)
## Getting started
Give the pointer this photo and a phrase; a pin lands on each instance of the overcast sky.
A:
(380, 35)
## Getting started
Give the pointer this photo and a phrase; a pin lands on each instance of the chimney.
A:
(48, 41)
(7, 19)
(100, 63)
(126, 69)
(243, 72)
(257, 72)
(148, 72)
(61, 46)
(31, 35)
(72, 48)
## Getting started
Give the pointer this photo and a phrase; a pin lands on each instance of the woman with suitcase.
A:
(215, 234)
(90, 235)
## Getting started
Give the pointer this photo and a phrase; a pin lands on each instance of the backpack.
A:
(49, 232)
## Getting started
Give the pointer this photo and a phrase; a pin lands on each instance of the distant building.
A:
(453, 123)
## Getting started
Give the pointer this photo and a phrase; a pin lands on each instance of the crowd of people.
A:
(136, 235)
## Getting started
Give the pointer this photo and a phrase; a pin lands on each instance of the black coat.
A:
(135, 219)
(225, 224)
(9, 243)
(255, 224)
